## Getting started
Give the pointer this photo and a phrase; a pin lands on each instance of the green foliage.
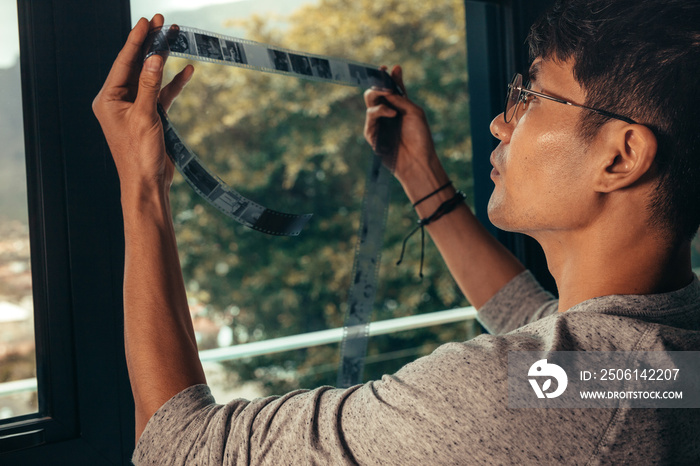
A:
(297, 146)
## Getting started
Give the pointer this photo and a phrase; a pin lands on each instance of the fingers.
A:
(397, 76)
(127, 66)
(151, 76)
(373, 115)
(128, 61)
(382, 103)
(157, 21)
(149, 84)
(170, 92)
(375, 97)
(381, 110)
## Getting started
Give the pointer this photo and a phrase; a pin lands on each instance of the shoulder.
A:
(520, 301)
(664, 321)
(470, 372)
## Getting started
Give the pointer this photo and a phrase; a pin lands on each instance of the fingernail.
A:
(381, 89)
(154, 63)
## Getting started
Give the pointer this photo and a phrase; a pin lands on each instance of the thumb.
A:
(149, 82)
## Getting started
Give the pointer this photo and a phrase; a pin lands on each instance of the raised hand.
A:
(416, 152)
(126, 110)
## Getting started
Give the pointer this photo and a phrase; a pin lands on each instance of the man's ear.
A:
(628, 153)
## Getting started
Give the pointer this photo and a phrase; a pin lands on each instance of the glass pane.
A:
(310, 368)
(17, 355)
(297, 146)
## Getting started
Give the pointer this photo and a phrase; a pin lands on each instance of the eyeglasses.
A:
(518, 94)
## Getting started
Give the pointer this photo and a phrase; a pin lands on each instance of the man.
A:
(598, 161)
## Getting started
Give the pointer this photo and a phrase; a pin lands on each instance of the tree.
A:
(297, 146)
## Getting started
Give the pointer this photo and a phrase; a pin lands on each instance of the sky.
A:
(9, 35)
(146, 9)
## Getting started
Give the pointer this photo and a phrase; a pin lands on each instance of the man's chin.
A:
(503, 226)
(497, 215)
(505, 223)
(503, 219)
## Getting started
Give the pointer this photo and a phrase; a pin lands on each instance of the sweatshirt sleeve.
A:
(191, 429)
(520, 302)
(419, 415)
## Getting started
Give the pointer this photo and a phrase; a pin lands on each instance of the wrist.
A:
(150, 199)
(421, 181)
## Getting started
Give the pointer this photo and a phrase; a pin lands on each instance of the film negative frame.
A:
(200, 45)
(196, 44)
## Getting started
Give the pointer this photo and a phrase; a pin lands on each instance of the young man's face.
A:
(542, 167)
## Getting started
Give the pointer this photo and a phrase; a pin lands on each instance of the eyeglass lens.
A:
(513, 97)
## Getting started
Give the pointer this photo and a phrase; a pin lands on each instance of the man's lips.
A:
(495, 171)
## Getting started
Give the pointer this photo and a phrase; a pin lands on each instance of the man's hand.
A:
(126, 110)
(479, 264)
(416, 152)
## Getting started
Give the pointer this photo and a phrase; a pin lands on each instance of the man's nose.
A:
(500, 129)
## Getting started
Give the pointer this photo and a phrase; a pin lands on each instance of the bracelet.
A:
(444, 209)
(444, 186)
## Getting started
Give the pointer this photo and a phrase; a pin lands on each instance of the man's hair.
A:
(640, 59)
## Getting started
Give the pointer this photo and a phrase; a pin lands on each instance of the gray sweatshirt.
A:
(451, 407)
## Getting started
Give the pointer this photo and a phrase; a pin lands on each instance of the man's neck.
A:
(587, 266)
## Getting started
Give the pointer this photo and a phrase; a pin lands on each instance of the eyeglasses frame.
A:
(524, 91)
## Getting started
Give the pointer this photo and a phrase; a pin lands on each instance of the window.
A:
(297, 146)
(17, 347)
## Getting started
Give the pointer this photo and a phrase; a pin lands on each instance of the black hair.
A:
(640, 59)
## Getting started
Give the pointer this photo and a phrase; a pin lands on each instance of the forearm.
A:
(477, 261)
(161, 350)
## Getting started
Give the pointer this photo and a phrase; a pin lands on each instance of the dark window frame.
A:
(86, 410)
(76, 231)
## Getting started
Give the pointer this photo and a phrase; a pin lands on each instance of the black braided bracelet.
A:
(444, 209)
(444, 186)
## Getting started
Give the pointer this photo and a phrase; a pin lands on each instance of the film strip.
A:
(205, 46)
(365, 273)
(200, 45)
(220, 195)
